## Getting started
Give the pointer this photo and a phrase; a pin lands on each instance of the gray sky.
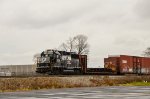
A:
(113, 27)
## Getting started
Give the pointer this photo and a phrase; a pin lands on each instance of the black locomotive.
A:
(61, 62)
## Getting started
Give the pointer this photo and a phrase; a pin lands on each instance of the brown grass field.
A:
(35, 83)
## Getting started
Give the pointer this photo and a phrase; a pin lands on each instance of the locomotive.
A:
(61, 62)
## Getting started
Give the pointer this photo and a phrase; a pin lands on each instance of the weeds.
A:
(35, 83)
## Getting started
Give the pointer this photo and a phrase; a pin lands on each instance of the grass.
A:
(36, 83)
(137, 84)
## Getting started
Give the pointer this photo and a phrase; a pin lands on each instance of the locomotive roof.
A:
(66, 53)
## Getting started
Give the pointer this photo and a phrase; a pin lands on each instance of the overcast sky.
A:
(113, 27)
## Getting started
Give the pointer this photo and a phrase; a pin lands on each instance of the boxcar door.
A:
(137, 65)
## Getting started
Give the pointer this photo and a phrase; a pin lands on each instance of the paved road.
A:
(83, 93)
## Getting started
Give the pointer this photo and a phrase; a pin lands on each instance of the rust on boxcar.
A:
(111, 63)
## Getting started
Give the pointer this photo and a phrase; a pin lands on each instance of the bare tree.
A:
(77, 44)
(63, 47)
(147, 52)
(81, 44)
(68, 46)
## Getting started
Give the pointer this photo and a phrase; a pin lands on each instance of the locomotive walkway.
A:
(83, 93)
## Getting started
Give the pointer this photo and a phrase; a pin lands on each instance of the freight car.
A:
(125, 64)
(62, 62)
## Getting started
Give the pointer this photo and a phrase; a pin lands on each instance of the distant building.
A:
(17, 70)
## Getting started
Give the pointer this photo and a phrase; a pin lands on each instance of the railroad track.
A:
(111, 76)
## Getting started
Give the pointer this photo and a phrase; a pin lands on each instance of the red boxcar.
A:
(124, 64)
